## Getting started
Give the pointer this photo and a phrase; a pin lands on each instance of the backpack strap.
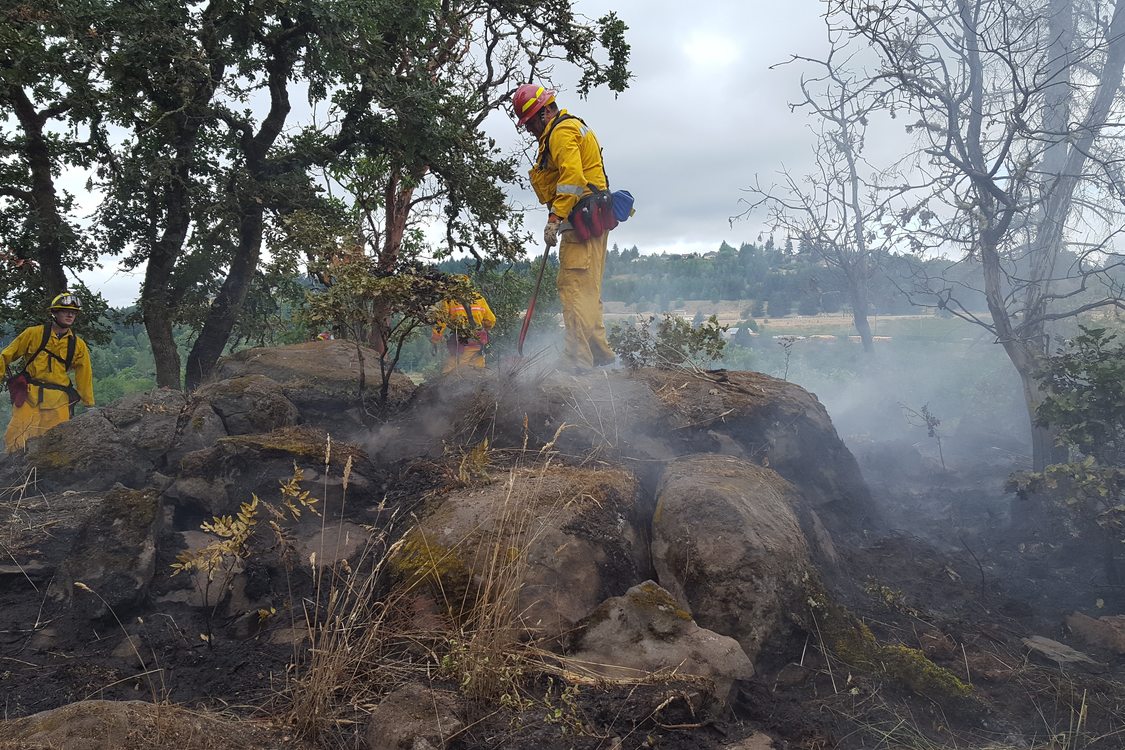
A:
(71, 346)
(42, 347)
(543, 157)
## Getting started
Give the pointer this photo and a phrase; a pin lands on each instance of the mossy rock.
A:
(304, 442)
(560, 535)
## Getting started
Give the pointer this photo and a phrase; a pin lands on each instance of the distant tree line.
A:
(774, 280)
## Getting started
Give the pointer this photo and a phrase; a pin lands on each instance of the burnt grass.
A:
(946, 575)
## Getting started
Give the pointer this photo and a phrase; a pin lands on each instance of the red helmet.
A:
(529, 99)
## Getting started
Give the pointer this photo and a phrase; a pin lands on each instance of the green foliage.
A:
(1086, 400)
(674, 343)
(1086, 407)
(383, 309)
(1091, 495)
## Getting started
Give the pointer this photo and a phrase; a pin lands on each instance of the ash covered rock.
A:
(113, 555)
(216, 480)
(136, 725)
(249, 404)
(414, 717)
(646, 632)
(726, 542)
(119, 443)
(653, 415)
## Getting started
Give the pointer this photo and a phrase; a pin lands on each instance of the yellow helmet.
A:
(66, 301)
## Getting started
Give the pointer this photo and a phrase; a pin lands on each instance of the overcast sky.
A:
(703, 114)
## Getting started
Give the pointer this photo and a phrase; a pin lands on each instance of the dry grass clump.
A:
(367, 636)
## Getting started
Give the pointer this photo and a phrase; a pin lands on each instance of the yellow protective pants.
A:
(30, 421)
(465, 356)
(581, 266)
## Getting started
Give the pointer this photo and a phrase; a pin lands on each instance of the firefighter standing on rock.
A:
(568, 171)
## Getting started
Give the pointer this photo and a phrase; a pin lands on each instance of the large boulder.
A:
(649, 416)
(726, 542)
(646, 632)
(137, 725)
(321, 378)
(768, 421)
(214, 481)
(249, 404)
(560, 539)
(120, 443)
(112, 561)
(201, 428)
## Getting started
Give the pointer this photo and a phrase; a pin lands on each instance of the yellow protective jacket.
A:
(48, 369)
(569, 160)
(452, 311)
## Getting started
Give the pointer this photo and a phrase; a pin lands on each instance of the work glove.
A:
(551, 231)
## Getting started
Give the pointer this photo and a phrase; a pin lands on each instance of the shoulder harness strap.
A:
(543, 157)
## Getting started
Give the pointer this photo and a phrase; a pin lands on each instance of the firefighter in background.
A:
(42, 394)
(464, 341)
(569, 168)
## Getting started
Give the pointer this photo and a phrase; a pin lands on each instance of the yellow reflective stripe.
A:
(571, 189)
(532, 100)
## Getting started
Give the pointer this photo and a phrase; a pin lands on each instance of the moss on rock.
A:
(301, 441)
(649, 594)
(853, 642)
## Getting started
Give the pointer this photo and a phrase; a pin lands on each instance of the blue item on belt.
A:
(622, 204)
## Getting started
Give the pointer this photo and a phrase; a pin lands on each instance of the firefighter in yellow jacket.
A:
(464, 342)
(42, 394)
(569, 162)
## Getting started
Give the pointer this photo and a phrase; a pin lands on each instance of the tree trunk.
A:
(158, 324)
(158, 299)
(859, 317)
(224, 310)
(51, 230)
(863, 327)
(227, 305)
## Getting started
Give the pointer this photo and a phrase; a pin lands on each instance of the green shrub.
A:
(675, 342)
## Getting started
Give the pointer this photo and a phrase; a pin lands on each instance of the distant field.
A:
(730, 312)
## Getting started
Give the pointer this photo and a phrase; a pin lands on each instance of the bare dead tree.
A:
(1014, 107)
(840, 208)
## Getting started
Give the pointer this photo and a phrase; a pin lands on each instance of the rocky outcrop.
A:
(321, 378)
(136, 725)
(727, 544)
(551, 543)
(119, 443)
(216, 480)
(646, 632)
(113, 559)
(655, 415)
